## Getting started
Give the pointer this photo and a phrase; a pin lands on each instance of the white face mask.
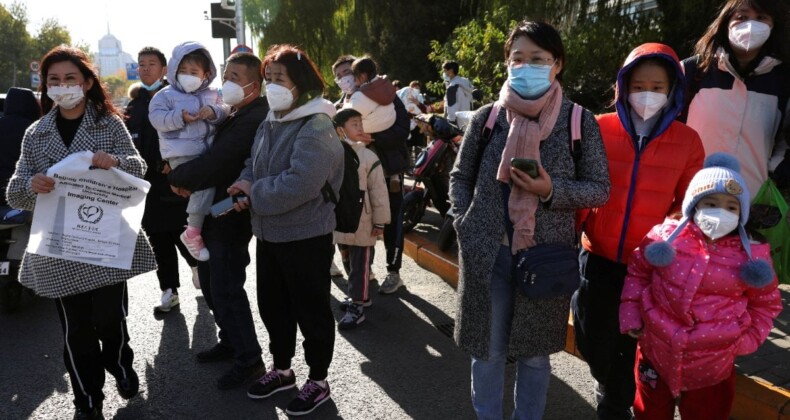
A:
(189, 82)
(279, 97)
(716, 222)
(749, 35)
(347, 84)
(66, 97)
(233, 94)
(647, 104)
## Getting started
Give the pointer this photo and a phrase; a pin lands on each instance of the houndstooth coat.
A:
(538, 326)
(43, 147)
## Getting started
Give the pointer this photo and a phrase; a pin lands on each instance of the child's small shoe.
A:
(194, 243)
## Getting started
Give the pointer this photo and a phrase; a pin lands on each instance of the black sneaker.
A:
(310, 397)
(89, 413)
(215, 354)
(238, 375)
(128, 386)
(344, 304)
(271, 383)
(354, 316)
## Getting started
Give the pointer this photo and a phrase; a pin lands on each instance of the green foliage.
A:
(117, 85)
(478, 48)
(18, 48)
(596, 47)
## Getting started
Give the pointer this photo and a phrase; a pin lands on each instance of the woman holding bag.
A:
(501, 211)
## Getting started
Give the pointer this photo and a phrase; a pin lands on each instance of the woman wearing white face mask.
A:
(739, 81)
(296, 159)
(91, 300)
(652, 157)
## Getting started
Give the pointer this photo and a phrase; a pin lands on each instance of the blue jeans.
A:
(488, 376)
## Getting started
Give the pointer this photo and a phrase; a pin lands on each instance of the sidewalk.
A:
(763, 382)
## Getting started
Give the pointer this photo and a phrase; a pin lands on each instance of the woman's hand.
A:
(244, 188)
(540, 186)
(41, 184)
(376, 231)
(206, 113)
(104, 160)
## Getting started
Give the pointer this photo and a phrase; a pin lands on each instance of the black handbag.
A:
(547, 271)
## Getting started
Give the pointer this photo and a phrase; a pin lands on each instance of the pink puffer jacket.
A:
(696, 313)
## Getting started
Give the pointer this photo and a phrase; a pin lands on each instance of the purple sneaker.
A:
(271, 383)
(310, 397)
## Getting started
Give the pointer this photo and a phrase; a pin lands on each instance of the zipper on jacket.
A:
(638, 144)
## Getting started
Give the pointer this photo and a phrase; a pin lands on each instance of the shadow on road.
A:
(31, 359)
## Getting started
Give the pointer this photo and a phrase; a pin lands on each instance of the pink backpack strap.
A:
(492, 116)
(576, 122)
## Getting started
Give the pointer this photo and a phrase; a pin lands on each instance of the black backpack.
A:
(348, 208)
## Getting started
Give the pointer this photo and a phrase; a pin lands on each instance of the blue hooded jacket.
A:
(177, 138)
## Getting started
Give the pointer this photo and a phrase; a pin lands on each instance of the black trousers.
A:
(95, 338)
(165, 245)
(293, 289)
(596, 321)
(393, 232)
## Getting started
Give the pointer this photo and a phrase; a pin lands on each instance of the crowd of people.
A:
(656, 195)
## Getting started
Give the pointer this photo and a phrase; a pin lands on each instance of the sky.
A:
(139, 23)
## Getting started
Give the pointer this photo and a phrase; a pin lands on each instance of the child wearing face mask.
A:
(698, 293)
(185, 114)
(358, 246)
(374, 96)
(652, 157)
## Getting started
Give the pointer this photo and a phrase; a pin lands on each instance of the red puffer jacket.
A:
(649, 175)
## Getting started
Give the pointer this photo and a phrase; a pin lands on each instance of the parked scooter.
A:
(447, 236)
(14, 234)
(431, 170)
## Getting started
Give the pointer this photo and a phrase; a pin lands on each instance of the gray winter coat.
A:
(538, 326)
(42, 148)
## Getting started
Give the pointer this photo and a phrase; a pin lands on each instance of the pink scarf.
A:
(523, 140)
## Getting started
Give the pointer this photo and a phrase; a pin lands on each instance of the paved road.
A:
(398, 365)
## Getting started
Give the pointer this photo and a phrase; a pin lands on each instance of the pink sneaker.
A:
(194, 243)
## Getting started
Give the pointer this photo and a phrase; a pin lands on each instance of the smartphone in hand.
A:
(225, 206)
(528, 166)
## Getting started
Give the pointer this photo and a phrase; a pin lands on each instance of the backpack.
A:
(348, 207)
(575, 137)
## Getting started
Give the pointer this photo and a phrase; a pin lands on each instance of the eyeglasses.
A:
(535, 62)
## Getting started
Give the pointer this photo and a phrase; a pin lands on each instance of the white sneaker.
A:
(195, 278)
(391, 283)
(334, 271)
(169, 301)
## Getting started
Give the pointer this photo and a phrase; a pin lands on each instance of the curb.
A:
(754, 398)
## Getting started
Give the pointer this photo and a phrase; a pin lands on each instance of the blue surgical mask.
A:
(528, 80)
(154, 86)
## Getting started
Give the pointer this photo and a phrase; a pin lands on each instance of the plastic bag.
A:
(778, 234)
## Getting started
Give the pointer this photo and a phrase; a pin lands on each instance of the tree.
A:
(51, 34)
(14, 47)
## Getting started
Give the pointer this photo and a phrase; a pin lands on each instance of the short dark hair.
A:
(543, 35)
(198, 57)
(343, 59)
(153, 51)
(451, 65)
(345, 114)
(364, 65)
(301, 69)
(251, 62)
